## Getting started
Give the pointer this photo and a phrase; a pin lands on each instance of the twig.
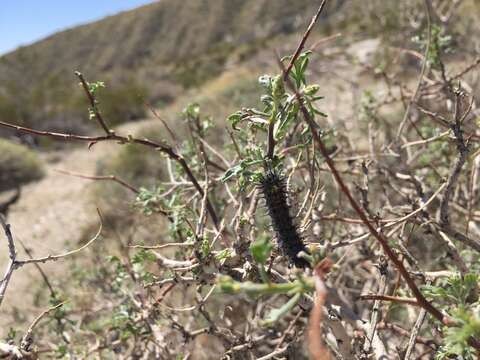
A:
(422, 71)
(301, 45)
(274, 353)
(413, 336)
(372, 335)
(101, 178)
(162, 246)
(39, 268)
(124, 140)
(457, 168)
(27, 339)
(93, 104)
(47, 258)
(12, 253)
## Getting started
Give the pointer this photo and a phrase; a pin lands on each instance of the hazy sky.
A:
(25, 21)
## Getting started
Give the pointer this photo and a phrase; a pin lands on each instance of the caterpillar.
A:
(273, 186)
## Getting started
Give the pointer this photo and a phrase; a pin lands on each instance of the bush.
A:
(18, 165)
(133, 164)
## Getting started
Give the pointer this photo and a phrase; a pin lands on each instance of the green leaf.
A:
(235, 118)
(142, 256)
(94, 87)
(261, 250)
(192, 110)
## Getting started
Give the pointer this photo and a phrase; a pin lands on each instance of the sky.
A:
(23, 22)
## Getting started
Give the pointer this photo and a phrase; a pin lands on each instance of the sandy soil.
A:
(50, 218)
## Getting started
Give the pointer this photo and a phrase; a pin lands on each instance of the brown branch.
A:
(39, 268)
(462, 148)
(12, 253)
(19, 263)
(93, 103)
(27, 339)
(164, 148)
(303, 41)
(101, 178)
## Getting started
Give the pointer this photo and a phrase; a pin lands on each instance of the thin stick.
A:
(12, 253)
(44, 259)
(101, 178)
(303, 41)
(93, 103)
(413, 337)
(422, 72)
(27, 339)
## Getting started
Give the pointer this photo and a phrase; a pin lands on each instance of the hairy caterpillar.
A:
(273, 187)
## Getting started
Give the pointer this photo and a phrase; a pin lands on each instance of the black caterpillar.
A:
(273, 187)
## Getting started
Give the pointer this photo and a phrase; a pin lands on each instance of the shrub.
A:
(18, 165)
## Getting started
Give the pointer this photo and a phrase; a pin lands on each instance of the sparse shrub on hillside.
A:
(18, 165)
(134, 164)
(123, 102)
(374, 250)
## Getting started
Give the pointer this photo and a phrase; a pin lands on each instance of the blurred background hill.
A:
(156, 52)
(151, 53)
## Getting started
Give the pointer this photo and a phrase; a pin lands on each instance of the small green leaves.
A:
(12, 333)
(235, 118)
(191, 110)
(299, 69)
(240, 169)
(460, 300)
(205, 248)
(149, 201)
(95, 86)
(266, 82)
(230, 286)
(278, 87)
(311, 90)
(223, 255)
(457, 338)
(92, 113)
(440, 43)
(261, 250)
(457, 290)
(142, 256)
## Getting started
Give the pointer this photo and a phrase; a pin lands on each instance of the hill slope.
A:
(156, 50)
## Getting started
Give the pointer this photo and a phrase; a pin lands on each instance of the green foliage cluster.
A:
(281, 111)
(459, 295)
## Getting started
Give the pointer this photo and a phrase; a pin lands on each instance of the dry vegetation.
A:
(382, 184)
